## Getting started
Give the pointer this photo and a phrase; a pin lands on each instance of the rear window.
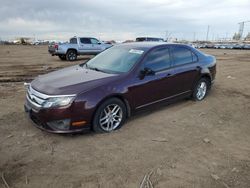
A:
(73, 41)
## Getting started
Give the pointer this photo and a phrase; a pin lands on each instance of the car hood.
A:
(71, 80)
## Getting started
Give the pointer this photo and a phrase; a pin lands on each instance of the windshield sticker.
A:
(136, 51)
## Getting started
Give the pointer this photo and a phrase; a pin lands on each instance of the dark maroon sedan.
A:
(106, 90)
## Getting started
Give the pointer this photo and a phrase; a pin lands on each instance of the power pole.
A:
(208, 27)
(167, 35)
(241, 28)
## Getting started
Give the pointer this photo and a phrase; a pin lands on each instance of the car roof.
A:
(145, 46)
(84, 37)
(145, 38)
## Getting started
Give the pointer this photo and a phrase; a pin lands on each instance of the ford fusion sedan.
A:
(102, 93)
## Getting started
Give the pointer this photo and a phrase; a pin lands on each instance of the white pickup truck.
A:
(77, 46)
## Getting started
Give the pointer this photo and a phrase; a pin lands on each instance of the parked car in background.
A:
(106, 90)
(200, 46)
(229, 46)
(219, 46)
(210, 45)
(77, 46)
(238, 46)
(246, 47)
(151, 39)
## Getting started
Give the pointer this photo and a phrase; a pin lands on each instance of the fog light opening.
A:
(63, 124)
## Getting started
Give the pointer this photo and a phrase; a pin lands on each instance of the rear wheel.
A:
(71, 55)
(62, 57)
(110, 116)
(201, 89)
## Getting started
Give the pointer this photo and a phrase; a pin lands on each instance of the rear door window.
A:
(182, 56)
(85, 41)
(158, 59)
(73, 41)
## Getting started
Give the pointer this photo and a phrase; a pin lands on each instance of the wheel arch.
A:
(72, 49)
(122, 98)
(118, 96)
(208, 77)
(202, 75)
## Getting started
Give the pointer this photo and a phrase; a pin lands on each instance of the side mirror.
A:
(146, 72)
(99, 43)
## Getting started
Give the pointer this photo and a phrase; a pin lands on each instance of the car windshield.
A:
(115, 60)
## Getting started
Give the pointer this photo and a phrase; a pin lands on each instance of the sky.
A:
(122, 19)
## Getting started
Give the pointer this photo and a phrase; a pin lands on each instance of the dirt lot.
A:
(186, 144)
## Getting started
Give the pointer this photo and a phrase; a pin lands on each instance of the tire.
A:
(71, 55)
(201, 89)
(105, 120)
(62, 57)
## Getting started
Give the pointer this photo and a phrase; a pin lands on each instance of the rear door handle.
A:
(198, 68)
(170, 74)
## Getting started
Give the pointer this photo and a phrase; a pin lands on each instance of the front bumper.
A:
(42, 117)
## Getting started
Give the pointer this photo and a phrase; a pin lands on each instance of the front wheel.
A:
(110, 116)
(201, 89)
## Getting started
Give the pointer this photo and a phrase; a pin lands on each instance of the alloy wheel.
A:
(72, 56)
(111, 117)
(201, 90)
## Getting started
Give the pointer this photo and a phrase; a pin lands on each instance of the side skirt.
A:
(181, 95)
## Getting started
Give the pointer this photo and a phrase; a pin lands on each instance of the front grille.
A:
(34, 97)
(37, 99)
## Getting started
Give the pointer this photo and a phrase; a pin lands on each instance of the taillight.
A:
(56, 46)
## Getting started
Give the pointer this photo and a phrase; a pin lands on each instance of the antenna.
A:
(167, 35)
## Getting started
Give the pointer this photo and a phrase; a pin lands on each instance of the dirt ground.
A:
(186, 144)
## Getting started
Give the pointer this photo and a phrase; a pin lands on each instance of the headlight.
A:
(58, 101)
